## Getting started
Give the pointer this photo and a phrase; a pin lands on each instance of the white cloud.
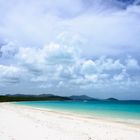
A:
(105, 28)
(8, 70)
(132, 63)
(9, 49)
(63, 44)
(89, 67)
(59, 54)
(11, 74)
(121, 76)
(61, 65)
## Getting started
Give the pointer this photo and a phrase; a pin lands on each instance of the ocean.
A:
(116, 110)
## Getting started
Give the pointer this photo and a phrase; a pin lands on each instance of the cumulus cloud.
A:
(9, 49)
(83, 46)
(61, 66)
(104, 24)
(132, 64)
(10, 74)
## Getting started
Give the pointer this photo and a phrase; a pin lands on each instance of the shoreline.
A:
(99, 118)
(61, 125)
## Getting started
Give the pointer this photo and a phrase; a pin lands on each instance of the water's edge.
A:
(128, 118)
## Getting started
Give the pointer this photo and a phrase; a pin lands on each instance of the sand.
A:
(27, 123)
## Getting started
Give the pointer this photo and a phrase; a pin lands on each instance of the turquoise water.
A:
(106, 109)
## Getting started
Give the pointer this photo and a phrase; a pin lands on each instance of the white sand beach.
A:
(27, 123)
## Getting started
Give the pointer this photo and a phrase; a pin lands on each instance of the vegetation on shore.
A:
(18, 97)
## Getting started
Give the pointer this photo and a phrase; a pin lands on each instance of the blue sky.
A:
(69, 47)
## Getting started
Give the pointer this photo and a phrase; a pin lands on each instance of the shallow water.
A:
(106, 109)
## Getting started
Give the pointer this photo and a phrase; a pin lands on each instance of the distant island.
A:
(51, 97)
